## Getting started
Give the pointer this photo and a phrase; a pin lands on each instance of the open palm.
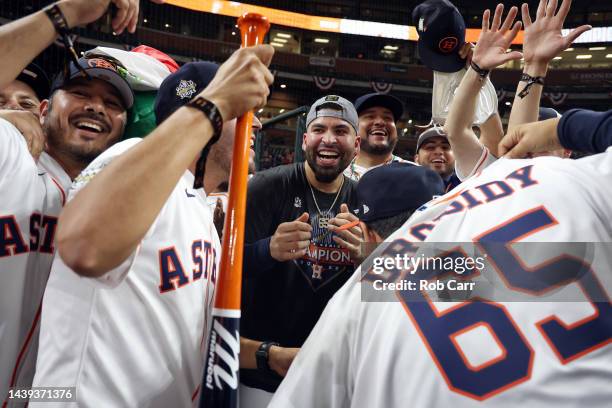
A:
(543, 39)
(490, 51)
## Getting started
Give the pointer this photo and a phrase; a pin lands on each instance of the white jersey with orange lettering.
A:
(30, 203)
(137, 335)
(415, 352)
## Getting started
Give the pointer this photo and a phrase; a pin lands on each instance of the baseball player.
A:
(127, 306)
(482, 353)
(542, 42)
(26, 91)
(82, 118)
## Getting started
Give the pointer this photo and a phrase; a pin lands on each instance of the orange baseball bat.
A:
(220, 382)
(253, 28)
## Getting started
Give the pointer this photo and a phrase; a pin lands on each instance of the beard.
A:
(55, 139)
(327, 174)
(379, 149)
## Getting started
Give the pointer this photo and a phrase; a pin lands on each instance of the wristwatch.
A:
(262, 354)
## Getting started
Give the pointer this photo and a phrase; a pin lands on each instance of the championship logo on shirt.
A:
(324, 259)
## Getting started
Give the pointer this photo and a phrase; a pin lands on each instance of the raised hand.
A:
(346, 236)
(80, 12)
(242, 82)
(543, 39)
(494, 40)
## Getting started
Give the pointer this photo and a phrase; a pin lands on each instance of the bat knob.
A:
(253, 28)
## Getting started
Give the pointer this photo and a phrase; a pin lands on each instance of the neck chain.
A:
(324, 219)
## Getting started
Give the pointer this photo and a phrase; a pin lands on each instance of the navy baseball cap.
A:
(182, 86)
(100, 67)
(441, 34)
(378, 99)
(394, 188)
(428, 134)
(37, 79)
(548, 113)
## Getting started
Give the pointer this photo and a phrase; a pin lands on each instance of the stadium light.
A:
(283, 35)
(391, 47)
(584, 56)
(283, 86)
(597, 48)
(321, 40)
(280, 40)
(275, 44)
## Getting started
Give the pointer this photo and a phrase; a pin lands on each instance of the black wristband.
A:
(531, 80)
(482, 73)
(57, 19)
(262, 356)
(211, 111)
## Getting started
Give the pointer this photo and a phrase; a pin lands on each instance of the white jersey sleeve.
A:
(486, 159)
(113, 277)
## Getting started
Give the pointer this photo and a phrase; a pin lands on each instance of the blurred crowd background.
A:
(361, 49)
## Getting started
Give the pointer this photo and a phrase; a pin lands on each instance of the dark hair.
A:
(387, 226)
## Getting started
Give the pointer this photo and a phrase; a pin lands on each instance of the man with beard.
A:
(434, 151)
(378, 115)
(148, 274)
(296, 257)
(81, 119)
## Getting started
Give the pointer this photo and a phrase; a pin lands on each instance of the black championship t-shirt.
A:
(283, 302)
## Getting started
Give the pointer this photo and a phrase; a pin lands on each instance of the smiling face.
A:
(436, 154)
(329, 144)
(18, 95)
(377, 131)
(83, 119)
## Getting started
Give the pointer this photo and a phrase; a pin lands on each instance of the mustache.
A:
(93, 117)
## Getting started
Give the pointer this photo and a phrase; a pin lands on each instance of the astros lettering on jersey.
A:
(136, 336)
(32, 197)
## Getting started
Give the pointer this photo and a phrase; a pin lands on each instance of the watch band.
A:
(262, 355)
(211, 111)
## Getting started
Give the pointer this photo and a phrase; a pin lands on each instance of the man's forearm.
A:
(248, 348)
(464, 143)
(257, 257)
(585, 130)
(526, 109)
(127, 196)
(21, 41)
